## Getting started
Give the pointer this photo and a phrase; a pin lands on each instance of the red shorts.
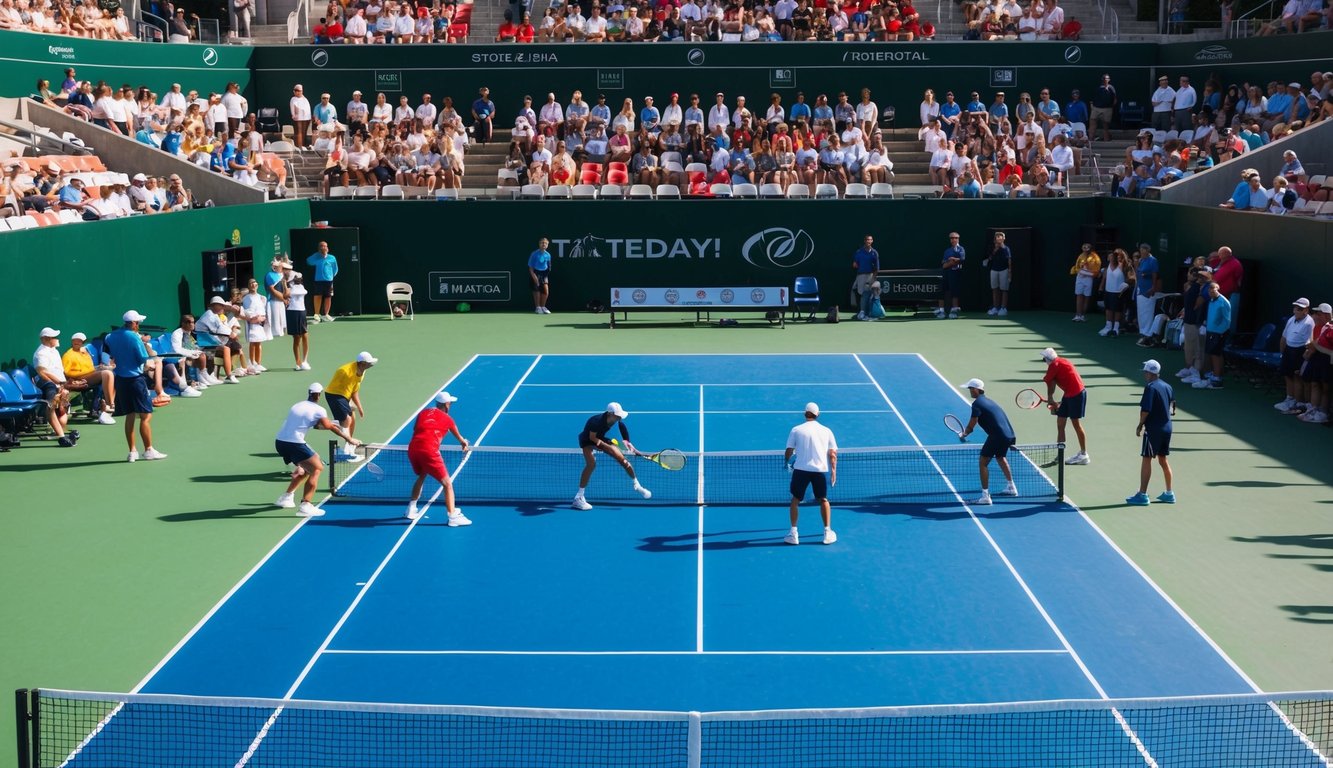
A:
(427, 463)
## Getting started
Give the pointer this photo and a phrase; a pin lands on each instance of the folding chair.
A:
(400, 293)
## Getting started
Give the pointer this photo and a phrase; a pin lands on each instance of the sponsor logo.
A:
(515, 58)
(757, 295)
(64, 52)
(728, 295)
(701, 294)
(319, 57)
(1073, 53)
(210, 56)
(882, 57)
(469, 286)
(640, 296)
(594, 247)
(778, 247)
(672, 296)
(1213, 53)
(695, 57)
(236, 237)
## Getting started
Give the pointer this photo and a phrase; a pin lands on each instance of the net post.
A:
(694, 750)
(1060, 470)
(333, 456)
(22, 730)
(35, 727)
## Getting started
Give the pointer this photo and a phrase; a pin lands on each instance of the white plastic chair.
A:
(584, 192)
(665, 191)
(882, 190)
(993, 190)
(561, 191)
(532, 192)
(392, 192)
(640, 192)
(856, 191)
(770, 191)
(746, 191)
(340, 193)
(446, 193)
(506, 177)
(826, 192)
(399, 293)
(366, 193)
(798, 192)
(720, 190)
(696, 168)
(611, 192)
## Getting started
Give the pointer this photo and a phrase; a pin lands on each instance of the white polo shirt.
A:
(48, 359)
(811, 442)
(300, 419)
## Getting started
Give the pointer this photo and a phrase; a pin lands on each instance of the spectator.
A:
(1193, 316)
(83, 374)
(1318, 366)
(178, 197)
(1297, 337)
(1148, 283)
(1216, 324)
(49, 376)
(300, 112)
(254, 308)
(1115, 284)
(1087, 268)
(1000, 262)
(193, 359)
(221, 338)
(1186, 99)
(1163, 104)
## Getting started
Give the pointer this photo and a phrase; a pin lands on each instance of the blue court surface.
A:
(700, 607)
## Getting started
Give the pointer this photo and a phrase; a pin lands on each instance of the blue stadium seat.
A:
(805, 296)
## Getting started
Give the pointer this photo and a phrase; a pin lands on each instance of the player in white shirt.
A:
(291, 446)
(812, 451)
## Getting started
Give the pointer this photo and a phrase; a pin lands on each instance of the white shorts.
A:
(999, 279)
(1083, 285)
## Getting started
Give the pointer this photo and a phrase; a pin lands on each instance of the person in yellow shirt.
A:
(1087, 268)
(343, 394)
(82, 374)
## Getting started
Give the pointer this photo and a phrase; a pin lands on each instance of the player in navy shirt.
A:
(987, 414)
(593, 438)
(1156, 408)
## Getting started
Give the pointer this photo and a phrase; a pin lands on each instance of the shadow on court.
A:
(1310, 614)
(689, 542)
(243, 511)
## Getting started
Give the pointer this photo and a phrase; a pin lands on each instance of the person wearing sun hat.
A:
(423, 454)
(1156, 409)
(593, 438)
(987, 414)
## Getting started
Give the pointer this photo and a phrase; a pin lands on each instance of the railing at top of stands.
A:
(152, 21)
(1242, 25)
(210, 31)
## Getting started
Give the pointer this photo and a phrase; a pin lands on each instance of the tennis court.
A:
(691, 602)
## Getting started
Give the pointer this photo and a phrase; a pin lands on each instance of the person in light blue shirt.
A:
(1216, 327)
(127, 349)
(1147, 284)
(1156, 408)
(539, 270)
(600, 112)
(693, 114)
(171, 143)
(999, 116)
(326, 269)
(650, 117)
(324, 111)
(949, 112)
(823, 113)
(799, 109)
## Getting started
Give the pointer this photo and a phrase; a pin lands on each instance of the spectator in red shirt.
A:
(526, 32)
(423, 453)
(508, 29)
(1073, 403)
(1229, 275)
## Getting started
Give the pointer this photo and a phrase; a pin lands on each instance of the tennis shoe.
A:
(232, 379)
(792, 537)
(1139, 499)
(953, 315)
(190, 392)
(412, 512)
(1208, 384)
(457, 519)
(350, 456)
(1004, 312)
(1184, 373)
(105, 418)
(860, 315)
(315, 319)
(1319, 417)
(305, 366)
(939, 313)
(328, 318)
(286, 501)
(260, 367)
(1285, 404)
(65, 441)
(1009, 490)
(983, 499)
(830, 536)
(1079, 458)
(1294, 410)
(1105, 331)
(309, 510)
(1167, 497)
(581, 503)
(153, 454)
(644, 492)
(133, 457)
(993, 311)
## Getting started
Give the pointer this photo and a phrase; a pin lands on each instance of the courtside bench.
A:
(726, 300)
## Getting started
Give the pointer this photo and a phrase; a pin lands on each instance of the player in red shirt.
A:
(423, 453)
(1073, 403)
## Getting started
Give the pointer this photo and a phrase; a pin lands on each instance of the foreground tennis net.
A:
(67, 729)
(898, 475)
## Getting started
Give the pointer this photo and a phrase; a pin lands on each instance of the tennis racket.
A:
(1028, 398)
(668, 458)
(955, 425)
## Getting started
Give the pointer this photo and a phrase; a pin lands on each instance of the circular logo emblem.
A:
(1073, 53)
(210, 56)
(728, 295)
(695, 57)
(778, 247)
(701, 294)
(639, 296)
(757, 295)
(319, 57)
(672, 295)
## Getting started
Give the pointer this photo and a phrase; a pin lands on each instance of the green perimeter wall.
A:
(24, 57)
(82, 277)
(658, 243)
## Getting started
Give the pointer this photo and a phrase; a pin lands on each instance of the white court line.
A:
(786, 411)
(929, 652)
(622, 385)
(1013, 570)
(699, 544)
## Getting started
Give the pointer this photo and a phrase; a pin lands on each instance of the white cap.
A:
(812, 409)
(445, 397)
(216, 300)
(616, 409)
(80, 336)
(1048, 354)
(50, 333)
(1301, 302)
(366, 357)
(133, 317)
(1324, 308)
(973, 384)
(139, 177)
(1152, 366)
(316, 388)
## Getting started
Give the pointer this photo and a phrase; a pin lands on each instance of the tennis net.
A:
(894, 475)
(68, 729)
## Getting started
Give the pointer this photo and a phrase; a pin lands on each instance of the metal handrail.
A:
(157, 22)
(25, 135)
(147, 32)
(1236, 24)
(213, 29)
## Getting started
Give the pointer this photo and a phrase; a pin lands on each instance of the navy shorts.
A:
(543, 278)
(1156, 444)
(997, 447)
(296, 322)
(1316, 368)
(1214, 343)
(802, 479)
(1075, 407)
(322, 288)
(953, 281)
(1111, 301)
(1292, 359)
(132, 396)
(339, 407)
(293, 453)
(50, 389)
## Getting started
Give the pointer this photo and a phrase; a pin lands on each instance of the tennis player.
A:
(423, 453)
(816, 452)
(1073, 405)
(987, 414)
(344, 393)
(1156, 409)
(593, 438)
(292, 447)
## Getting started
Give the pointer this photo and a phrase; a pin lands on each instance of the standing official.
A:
(1001, 262)
(1156, 409)
(539, 271)
(866, 263)
(951, 269)
(132, 399)
(325, 270)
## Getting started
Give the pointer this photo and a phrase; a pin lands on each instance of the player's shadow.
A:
(1310, 614)
(243, 511)
(238, 478)
(1256, 483)
(689, 542)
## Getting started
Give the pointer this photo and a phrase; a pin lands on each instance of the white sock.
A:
(1116, 327)
(579, 495)
(793, 529)
(636, 485)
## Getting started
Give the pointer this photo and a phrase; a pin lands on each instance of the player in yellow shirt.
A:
(344, 393)
(1087, 268)
(82, 373)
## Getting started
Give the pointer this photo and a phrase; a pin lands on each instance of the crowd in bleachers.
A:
(380, 22)
(104, 20)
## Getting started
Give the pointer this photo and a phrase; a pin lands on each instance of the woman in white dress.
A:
(296, 320)
(255, 308)
(275, 283)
